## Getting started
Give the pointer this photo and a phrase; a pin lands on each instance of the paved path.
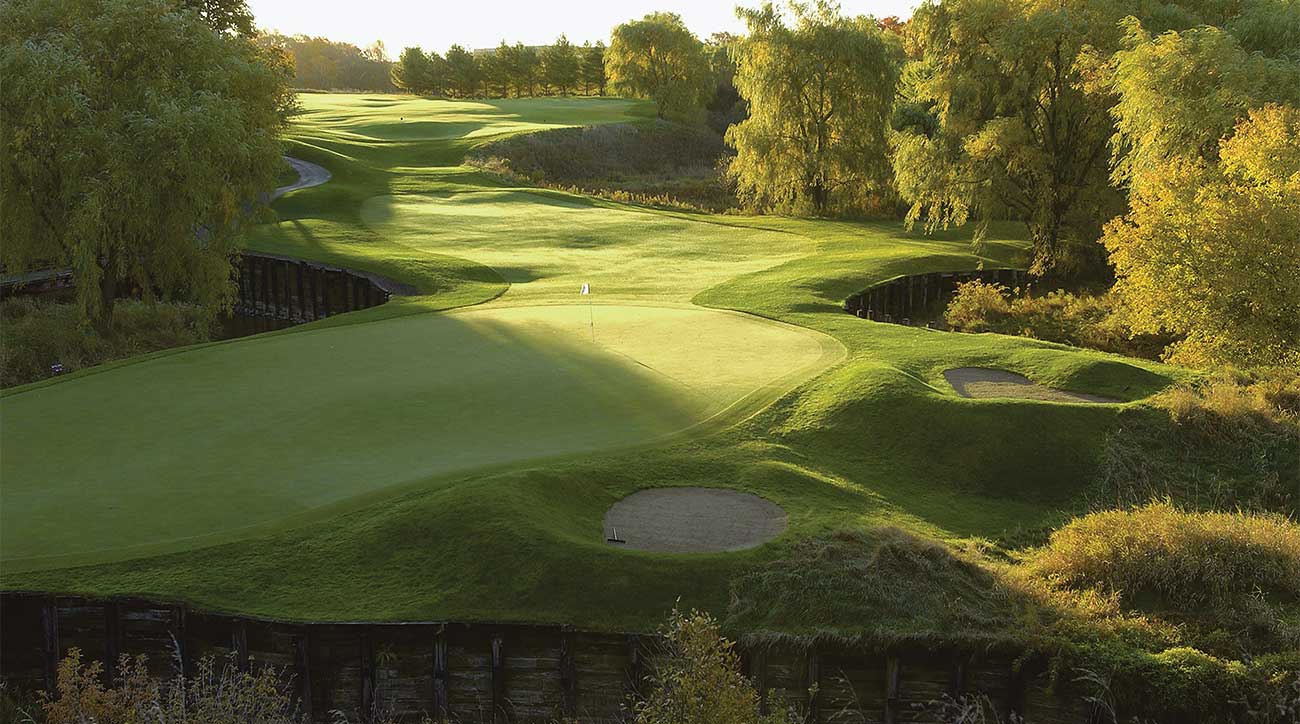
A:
(309, 174)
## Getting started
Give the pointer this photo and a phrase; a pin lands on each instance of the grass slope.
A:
(879, 439)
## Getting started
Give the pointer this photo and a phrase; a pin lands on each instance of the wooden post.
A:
(176, 629)
(285, 268)
(302, 662)
(50, 643)
(112, 640)
(366, 643)
(812, 685)
(635, 667)
(440, 708)
(893, 677)
(759, 673)
(498, 680)
(957, 682)
(568, 676)
(1016, 691)
(239, 642)
(302, 297)
(324, 277)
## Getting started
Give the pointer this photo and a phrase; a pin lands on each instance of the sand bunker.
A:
(983, 382)
(693, 520)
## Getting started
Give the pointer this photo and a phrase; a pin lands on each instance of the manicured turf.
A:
(427, 444)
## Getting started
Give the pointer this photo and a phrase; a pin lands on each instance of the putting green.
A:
(222, 441)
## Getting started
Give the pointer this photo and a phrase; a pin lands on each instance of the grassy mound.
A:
(1232, 578)
(877, 585)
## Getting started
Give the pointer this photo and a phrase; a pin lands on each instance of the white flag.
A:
(585, 289)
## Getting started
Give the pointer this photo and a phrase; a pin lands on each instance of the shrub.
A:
(1162, 557)
(697, 679)
(216, 695)
(36, 334)
(1082, 320)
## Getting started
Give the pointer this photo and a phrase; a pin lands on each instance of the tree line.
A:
(323, 64)
(518, 70)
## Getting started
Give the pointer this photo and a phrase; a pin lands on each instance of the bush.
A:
(697, 679)
(1082, 320)
(215, 695)
(35, 334)
(1177, 558)
(660, 163)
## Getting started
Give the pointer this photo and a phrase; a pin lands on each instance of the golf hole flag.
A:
(586, 289)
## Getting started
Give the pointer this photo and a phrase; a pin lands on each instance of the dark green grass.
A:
(880, 439)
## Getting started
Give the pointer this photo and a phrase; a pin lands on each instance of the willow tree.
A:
(820, 95)
(1020, 121)
(136, 138)
(658, 58)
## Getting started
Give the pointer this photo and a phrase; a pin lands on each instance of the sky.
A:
(436, 24)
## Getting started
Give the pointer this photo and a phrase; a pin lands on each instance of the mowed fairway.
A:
(452, 454)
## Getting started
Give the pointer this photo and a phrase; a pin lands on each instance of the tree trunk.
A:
(107, 297)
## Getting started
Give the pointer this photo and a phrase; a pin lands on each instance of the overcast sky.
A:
(436, 24)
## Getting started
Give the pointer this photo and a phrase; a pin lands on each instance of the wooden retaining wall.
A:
(921, 298)
(495, 672)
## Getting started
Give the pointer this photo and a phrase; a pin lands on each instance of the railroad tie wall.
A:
(486, 672)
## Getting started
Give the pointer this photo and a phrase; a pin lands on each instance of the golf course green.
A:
(452, 454)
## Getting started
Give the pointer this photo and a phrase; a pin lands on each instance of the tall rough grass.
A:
(1171, 558)
(36, 334)
(660, 163)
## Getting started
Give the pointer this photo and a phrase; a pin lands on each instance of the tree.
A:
(820, 96)
(1021, 121)
(725, 106)
(593, 68)
(697, 679)
(560, 65)
(463, 72)
(1180, 93)
(1208, 250)
(134, 163)
(419, 72)
(523, 70)
(659, 59)
(498, 69)
(224, 16)
(327, 64)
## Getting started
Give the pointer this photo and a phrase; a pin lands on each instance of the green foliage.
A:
(820, 95)
(1022, 122)
(323, 64)
(35, 335)
(135, 140)
(1166, 109)
(464, 73)
(1207, 250)
(560, 66)
(420, 73)
(593, 68)
(658, 58)
(697, 679)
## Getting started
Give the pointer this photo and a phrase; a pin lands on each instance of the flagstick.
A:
(591, 316)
